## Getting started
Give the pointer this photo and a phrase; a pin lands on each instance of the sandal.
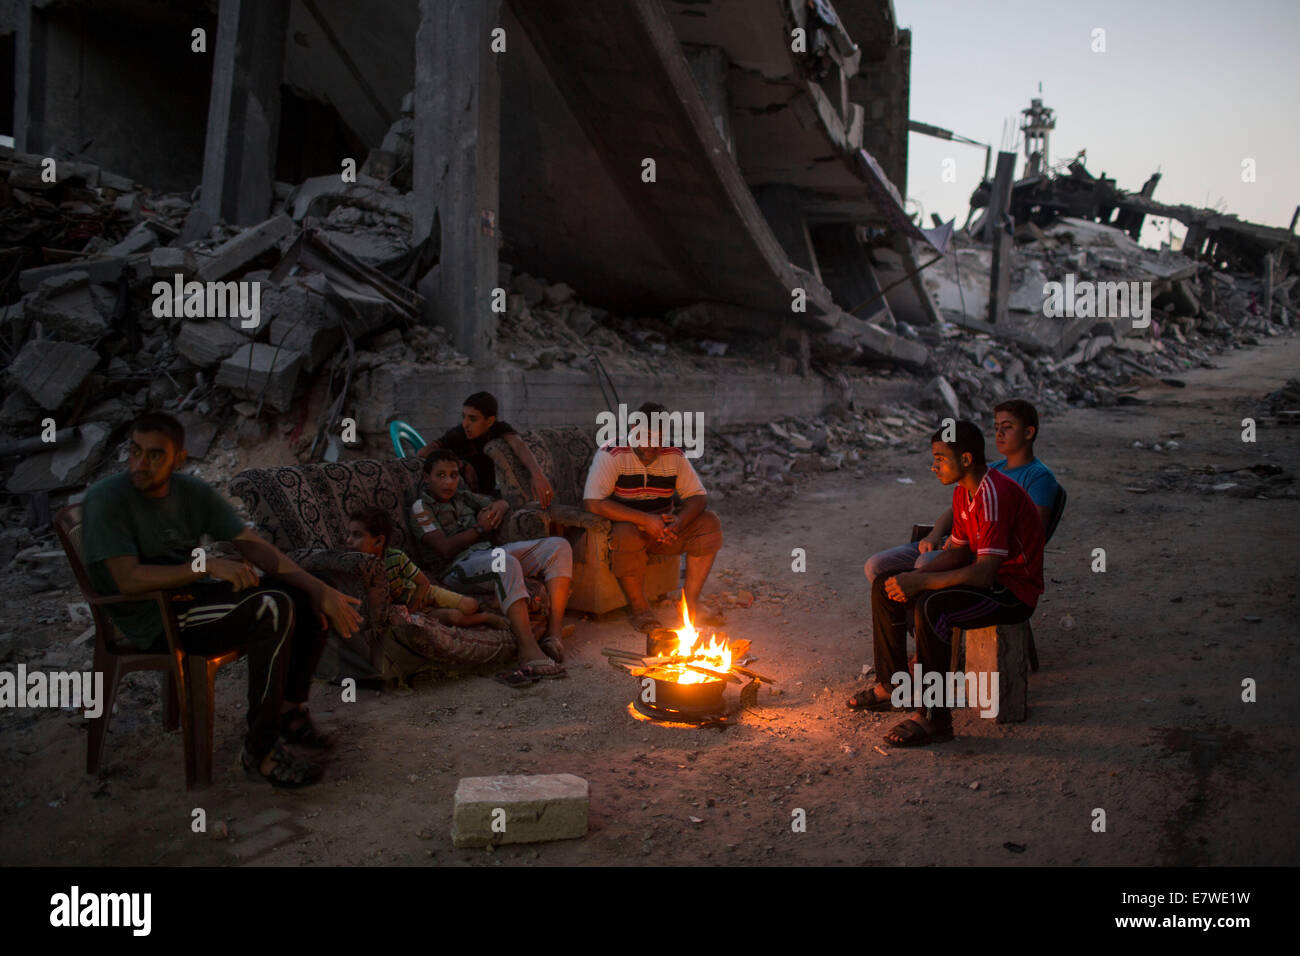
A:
(544, 668)
(911, 733)
(868, 699)
(297, 728)
(646, 621)
(288, 771)
(552, 648)
(519, 678)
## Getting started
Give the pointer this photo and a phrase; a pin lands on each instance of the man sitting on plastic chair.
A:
(142, 530)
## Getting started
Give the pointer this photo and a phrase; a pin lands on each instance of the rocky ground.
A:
(1137, 709)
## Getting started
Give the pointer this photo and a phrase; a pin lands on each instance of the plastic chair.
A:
(398, 431)
(190, 677)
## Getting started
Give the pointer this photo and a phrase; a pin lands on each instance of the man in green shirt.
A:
(141, 530)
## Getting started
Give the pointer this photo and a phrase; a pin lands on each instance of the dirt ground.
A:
(1137, 709)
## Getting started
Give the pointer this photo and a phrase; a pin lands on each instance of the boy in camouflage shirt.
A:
(455, 526)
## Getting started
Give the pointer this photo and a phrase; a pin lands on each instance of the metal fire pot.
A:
(661, 640)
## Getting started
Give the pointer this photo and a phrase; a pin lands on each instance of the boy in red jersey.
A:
(990, 572)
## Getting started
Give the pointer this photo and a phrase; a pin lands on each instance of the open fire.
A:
(691, 657)
(684, 673)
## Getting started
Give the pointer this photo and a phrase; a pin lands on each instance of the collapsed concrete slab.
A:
(706, 237)
(97, 269)
(490, 811)
(242, 249)
(139, 240)
(258, 371)
(880, 344)
(168, 261)
(70, 305)
(939, 394)
(50, 372)
(64, 466)
(205, 343)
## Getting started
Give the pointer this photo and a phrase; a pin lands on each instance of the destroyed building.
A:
(565, 204)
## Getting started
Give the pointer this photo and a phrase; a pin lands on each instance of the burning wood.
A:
(689, 671)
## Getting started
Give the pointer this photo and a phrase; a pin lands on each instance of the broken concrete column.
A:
(457, 165)
(244, 111)
(999, 208)
(30, 60)
(709, 65)
(50, 372)
(490, 811)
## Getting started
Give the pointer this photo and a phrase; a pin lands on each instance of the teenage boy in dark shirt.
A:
(478, 426)
(989, 572)
(140, 530)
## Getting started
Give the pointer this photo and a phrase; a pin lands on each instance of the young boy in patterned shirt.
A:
(369, 531)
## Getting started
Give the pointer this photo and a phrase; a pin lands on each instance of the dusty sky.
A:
(1191, 87)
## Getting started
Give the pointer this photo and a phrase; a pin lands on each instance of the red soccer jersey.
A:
(1001, 519)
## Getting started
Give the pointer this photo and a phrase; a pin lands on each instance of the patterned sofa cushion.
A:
(564, 455)
(305, 507)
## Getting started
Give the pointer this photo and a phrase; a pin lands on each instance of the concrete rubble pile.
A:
(760, 459)
(1196, 312)
(275, 330)
(92, 341)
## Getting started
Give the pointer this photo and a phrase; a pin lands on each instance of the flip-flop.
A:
(544, 668)
(552, 648)
(518, 678)
(910, 733)
(287, 770)
(866, 699)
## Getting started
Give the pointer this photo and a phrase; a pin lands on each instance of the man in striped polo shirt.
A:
(634, 488)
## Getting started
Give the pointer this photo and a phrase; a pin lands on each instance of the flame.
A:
(715, 655)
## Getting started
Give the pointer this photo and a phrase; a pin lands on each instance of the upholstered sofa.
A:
(565, 455)
(303, 510)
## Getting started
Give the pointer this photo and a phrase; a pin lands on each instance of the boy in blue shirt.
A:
(1015, 427)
